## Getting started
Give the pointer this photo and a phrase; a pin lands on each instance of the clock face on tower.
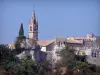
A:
(30, 28)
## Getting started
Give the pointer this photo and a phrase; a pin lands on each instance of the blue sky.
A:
(55, 18)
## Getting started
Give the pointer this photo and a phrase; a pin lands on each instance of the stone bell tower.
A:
(33, 27)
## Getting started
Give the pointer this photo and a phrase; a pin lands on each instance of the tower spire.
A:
(33, 27)
(33, 13)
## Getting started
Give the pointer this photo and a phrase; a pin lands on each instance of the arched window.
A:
(35, 29)
(30, 28)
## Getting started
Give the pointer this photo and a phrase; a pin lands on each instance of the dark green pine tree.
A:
(21, 31)
(19, 39)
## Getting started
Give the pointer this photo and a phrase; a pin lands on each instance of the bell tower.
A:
(33, 27)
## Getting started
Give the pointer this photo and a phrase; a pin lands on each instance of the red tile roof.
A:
(74, 41)
(44, 42)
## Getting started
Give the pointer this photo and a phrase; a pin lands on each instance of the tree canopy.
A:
(21, 31)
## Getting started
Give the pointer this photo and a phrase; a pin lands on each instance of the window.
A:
(34, 29)
(93, 54)
(30, 28)
(35, 26)
(64, 43)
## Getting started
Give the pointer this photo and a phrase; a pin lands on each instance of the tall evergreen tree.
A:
(21, 31)
(20, 38)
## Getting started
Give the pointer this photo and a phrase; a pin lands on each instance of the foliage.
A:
(4, 53)
(17, 44)
(8, 60)
(26, 67)
(80, 58)
(67, 56)
(67, 60)
(16, 66)
(80, 64)
(44, 67)
(21, 31)
(23, 67)
(71, 61)
(45, 63)
(11, 64)
(20, 39)
(29, 67)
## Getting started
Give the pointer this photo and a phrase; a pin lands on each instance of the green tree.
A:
(21, 31)
(26, 67)
(67, 57)
(46, 67)
(4, 53)
(69, 62)
(8, 60)
(19, 39)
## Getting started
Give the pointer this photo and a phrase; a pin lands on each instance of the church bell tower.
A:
(33, 27)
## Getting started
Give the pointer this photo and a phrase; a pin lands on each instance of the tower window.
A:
(34, 29)
(30, 28)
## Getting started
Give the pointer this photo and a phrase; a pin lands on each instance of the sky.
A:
(55, 18)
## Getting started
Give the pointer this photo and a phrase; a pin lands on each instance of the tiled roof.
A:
(45, 42)
(78, 37)
(74, 41)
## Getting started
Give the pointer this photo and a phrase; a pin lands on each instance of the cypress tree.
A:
(21, 31)
(20, 38)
